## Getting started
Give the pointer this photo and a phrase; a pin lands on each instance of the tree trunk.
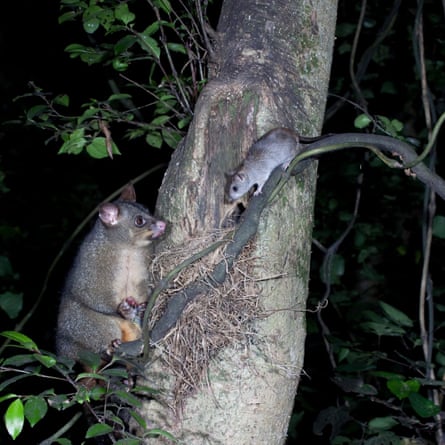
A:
(272, 63)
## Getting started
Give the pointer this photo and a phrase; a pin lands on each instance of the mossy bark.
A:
(271, 69)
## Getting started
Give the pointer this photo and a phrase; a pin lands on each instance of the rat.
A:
(276, 148)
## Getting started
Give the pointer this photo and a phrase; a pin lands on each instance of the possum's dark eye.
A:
(234, 188)
(140, 221)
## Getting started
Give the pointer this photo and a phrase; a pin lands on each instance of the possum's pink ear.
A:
(109, 214)
(240, 177)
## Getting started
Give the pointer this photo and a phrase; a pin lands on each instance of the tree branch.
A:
(377, 144)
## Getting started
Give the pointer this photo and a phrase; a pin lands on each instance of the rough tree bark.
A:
(272, 69)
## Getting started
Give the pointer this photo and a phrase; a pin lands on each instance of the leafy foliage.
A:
(111, 390)
(169, 49)
(11, 298)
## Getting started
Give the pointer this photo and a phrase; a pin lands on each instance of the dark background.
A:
(50, 195)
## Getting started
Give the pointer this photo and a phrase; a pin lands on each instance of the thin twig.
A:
(51, 439)
(426, 303)
(354, 80)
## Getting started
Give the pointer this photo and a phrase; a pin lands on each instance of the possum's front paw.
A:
(259, 190)
(131, 310)
(113, 347)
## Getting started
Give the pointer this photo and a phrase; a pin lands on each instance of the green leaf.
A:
(382, 438)
(171, 138)
(75, 143)
(388, 87)
(75, 48)
(123, 14)
(139, 419)
(342, 354)
(22, 339)
(97, 392)
(91, 20)
(182, 123)
(397, 125)
(121, 373)
(11, 303)
(35, 409)
(120, 65)
(439, 226)
(63, 441)
(62, 99)
(87, 54)
(119, 96)
(19, 360)
(92, 56)
(388, 375)
(403, 388)
(440, 358)
(116, 421)
(149, 44)
(395, 315)
(14, 418)
(154, 139)
(362, 121)
(95, 16)
(128, 397)
(159, 432)
(145, 390)
(45, 360)
(88, 114)
(90, 375)
(124, 44)
(383, 327)
(82, 395)
(61, 402)
(177, 48)
(152, 28)
(71, 2)
(381, 424)
(128, 442)
(393, 127)
(98, 429)
(67, 17)
(164, 5)
(423, 406)
(160, 120)
(366, 252)
(90, 359)
(35, 111)
(5, 267)
(98, 148)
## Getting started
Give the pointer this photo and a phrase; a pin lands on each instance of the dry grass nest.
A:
(212, 321)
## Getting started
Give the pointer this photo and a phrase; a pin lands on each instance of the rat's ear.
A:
(240, 176)
(128, 193)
